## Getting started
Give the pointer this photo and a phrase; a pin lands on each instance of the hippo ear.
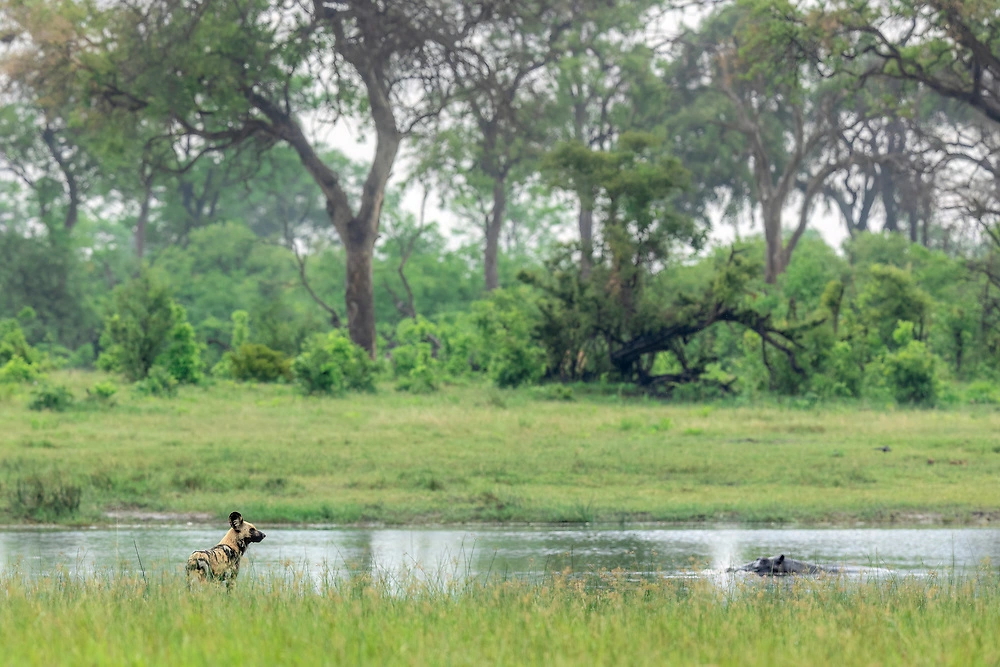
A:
(781, 559)
(236, 520)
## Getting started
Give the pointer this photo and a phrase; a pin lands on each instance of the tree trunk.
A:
(493, 227)
(359, 295)
(140, 224)
(889, 200)
(775, 255)
(586, 224)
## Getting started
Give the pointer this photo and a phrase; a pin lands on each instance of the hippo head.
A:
(767, 565)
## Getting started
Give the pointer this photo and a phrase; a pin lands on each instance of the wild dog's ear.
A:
(236, 520)
(781, 559)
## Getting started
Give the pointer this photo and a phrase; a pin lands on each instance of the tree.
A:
(484, 147)
(745, 76)
(228, 73)
(597, 91)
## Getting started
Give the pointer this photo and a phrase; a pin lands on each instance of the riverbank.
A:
(476, 455)
(123, 620)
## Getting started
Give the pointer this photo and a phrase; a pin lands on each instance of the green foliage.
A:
(912, 370)
(13, 343)
(182, 357)
(253, 361)
(890, 296)
(139, 328)
(505, 325)
(241, 329)
(17, 370)
(103, 393)
(46, 274)
(332, 364)
(158, 382)
(414, 364)
(55, 397)
(845, 372)
(982, 392)
(83, 357)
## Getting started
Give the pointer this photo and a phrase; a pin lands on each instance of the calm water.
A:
(523, 552)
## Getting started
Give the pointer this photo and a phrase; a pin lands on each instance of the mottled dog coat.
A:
(222, 561)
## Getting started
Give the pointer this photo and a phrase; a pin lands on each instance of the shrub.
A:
(241, 329)
(182, 358)
(82, 357)
(51, 397)
(891, 296)
(982, 393)
(158, 382)
(13, 343)
(19, 362)
(413, 361)
(331, 363)
(252, 361)
(512, 357)
(103, 393)
(912, 370)
(18, 370)
(139, 328)
(844, 374)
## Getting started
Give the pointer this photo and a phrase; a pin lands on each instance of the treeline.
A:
(169, 212)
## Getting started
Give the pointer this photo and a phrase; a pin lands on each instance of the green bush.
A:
(332, 364)
(19, 362)
(912, 370)
(51, 397)
(18, 370)
(158, 382)
(82, 357)
(891, 296)
(139, 329)
(103, 394)
(13, 343)
(182, 358)
(844, 374)
(505, 327)
(413, 362)
(252, 361)
(982, 393)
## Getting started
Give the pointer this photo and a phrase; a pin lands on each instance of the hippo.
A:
(780, 566)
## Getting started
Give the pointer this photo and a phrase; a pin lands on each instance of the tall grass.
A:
(287, 620)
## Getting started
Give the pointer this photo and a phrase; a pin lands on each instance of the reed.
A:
(119, 619)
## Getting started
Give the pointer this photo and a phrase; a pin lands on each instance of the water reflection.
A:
(447, 554)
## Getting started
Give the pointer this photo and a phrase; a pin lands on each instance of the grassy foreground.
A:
(266, 622)
(473, 453)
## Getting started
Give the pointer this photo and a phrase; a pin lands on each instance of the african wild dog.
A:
(222, 561)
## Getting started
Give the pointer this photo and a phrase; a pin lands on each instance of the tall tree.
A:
(482, 151)
(228, 73)
(761, 124)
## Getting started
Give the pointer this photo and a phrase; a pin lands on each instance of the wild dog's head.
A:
(245, 531)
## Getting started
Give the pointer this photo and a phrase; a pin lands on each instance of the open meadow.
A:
(120, 620)
(477, 454)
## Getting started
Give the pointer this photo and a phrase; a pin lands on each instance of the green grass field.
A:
(115, 620)
(473, 453)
